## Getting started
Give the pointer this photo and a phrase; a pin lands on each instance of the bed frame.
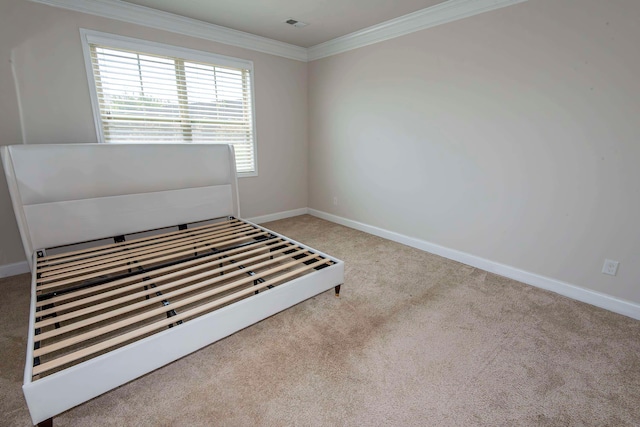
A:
(139, 257)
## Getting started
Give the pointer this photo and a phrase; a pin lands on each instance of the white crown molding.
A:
(608, 302)
(160, 20)
(442, 13)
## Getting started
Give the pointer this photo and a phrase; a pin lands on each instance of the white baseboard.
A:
(608, 302)
(278, 215)
(14, 269)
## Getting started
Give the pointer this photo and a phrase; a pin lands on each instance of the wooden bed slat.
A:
(165, 322)
(48, 258)
(123, 268)
(58, 345)
(153, 299)
(127, 254)
(177, 251)
(135, 248)
(96, 292)
(140, 253)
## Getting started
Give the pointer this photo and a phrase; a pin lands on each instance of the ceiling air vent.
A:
(296, 23)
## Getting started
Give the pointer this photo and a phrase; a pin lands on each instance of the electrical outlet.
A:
(610, 267)
(335, 200)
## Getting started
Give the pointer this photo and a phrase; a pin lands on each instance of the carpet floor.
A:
(413, 340)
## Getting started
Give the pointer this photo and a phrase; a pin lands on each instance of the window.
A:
(149, 92)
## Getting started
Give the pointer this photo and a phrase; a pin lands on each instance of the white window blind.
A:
(147, 97)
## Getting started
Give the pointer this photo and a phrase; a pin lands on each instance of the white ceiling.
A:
(327, 19)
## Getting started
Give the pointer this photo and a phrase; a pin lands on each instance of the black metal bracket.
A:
(165, 302)
(250, 273)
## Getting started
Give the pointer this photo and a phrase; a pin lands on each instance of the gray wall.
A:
(513, 135)
(54, 95)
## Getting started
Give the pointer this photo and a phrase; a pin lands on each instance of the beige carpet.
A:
(414, 339)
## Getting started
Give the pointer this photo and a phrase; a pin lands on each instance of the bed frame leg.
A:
(46, 423)
(338, 290)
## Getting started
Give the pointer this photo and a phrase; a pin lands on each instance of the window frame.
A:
(149, 47)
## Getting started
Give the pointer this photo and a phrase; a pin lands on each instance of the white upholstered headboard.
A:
(70, 193)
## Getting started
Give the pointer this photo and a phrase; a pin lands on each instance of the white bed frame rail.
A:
(70, 193)
(65, 389)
